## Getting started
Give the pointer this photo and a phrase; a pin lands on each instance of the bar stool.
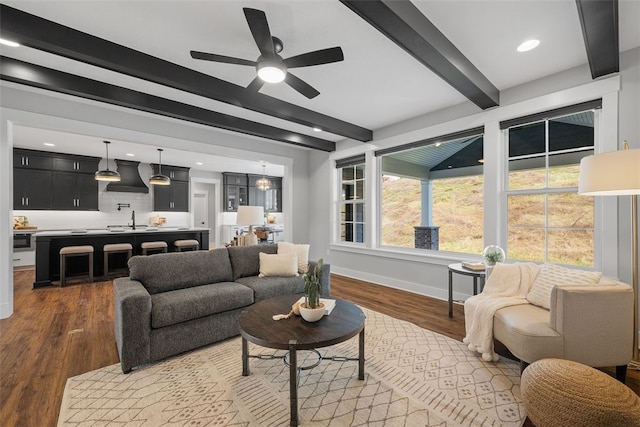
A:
(69, 251)
(153, 246)
(182, 245)
(113, 249)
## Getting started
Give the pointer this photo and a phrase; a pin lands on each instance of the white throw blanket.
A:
(508, 285)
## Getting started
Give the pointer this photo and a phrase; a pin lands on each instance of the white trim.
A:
(217, 185)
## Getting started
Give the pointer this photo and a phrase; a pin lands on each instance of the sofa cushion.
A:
(525, 330)
(284, 265)
(551, 275)
(170, 308)
(267, 287)
(301, 250)
(245, 261)
(179, 270)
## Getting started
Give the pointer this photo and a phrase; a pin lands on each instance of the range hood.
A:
(130, 181)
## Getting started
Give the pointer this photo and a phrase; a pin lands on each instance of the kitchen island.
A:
(48, 244)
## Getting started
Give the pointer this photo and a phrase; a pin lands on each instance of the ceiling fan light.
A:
(271, 71)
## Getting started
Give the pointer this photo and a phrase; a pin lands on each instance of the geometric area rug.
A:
(413, 377)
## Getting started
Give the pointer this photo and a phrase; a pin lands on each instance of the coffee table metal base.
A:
(294, 369)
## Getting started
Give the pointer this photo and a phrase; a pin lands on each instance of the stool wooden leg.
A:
(91, 267)
(62, 261)
(106, 266)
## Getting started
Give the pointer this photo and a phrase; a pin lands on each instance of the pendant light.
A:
(159, 179)
(107, 175)
(263, 183)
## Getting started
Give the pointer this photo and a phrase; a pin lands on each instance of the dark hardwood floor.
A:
(56, 333)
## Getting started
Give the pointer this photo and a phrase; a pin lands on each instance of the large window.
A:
(547, 221)
(431, 194)
(352, 200)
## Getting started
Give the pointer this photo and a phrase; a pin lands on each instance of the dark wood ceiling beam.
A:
(599, 22)
(39, 33)
(33, 75)
(404, 24)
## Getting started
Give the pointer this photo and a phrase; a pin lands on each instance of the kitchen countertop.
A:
(109, 231)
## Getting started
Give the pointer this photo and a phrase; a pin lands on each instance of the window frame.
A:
(351, 162)
(546, 191)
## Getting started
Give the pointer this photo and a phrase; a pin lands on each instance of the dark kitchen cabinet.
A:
(76, 164)
(173, 197)
(31, 159)
(235, 192)
(31, 189)
(45, 180)
(74, 191)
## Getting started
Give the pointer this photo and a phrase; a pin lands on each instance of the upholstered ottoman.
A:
(560, 393)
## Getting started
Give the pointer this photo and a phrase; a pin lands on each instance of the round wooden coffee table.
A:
(293, 334)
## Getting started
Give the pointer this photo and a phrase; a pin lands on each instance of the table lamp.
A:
(250, 215)
(617, 173)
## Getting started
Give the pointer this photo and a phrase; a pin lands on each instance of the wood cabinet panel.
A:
(31, 189)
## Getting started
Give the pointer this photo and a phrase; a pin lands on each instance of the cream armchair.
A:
(589, 324)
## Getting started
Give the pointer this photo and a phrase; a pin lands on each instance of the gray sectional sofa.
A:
(176, 302)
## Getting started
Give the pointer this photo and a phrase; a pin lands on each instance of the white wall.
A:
(22, 105)
(426, 273)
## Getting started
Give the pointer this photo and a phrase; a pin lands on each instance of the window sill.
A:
(424, 256)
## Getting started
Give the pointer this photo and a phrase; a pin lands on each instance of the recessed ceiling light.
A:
(438, 144)
(528, 45)
(9, 43)
(130, 155)
(199, 163)
(317, 129)
(48, 144)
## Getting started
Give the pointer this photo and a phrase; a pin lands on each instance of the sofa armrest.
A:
(132, 321)
(325, 278)
(595, 321)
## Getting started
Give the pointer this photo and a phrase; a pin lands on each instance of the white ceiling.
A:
(377, 84)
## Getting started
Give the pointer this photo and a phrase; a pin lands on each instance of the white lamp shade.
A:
(250, 215)
(615, 173)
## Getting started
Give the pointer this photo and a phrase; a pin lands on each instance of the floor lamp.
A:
(617, 173)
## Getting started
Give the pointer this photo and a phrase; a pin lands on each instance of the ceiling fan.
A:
(270, 65)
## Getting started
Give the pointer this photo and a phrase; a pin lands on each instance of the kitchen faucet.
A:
(133, 219)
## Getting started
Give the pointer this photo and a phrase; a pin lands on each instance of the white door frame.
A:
(217, 197)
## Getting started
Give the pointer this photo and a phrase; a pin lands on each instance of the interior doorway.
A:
(205, 210)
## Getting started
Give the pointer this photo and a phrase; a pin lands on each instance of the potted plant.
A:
(312, 309)
(492, 255)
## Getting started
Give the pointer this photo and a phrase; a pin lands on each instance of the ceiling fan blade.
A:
(318, 57)
(221, 58)
(304, 88)
(259, 27)
(255, 85)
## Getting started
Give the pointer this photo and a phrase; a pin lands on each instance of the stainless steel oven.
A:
(23, 241)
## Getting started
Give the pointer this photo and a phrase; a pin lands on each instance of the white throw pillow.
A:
(551, 275)
(278, 265)
(301, 250)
